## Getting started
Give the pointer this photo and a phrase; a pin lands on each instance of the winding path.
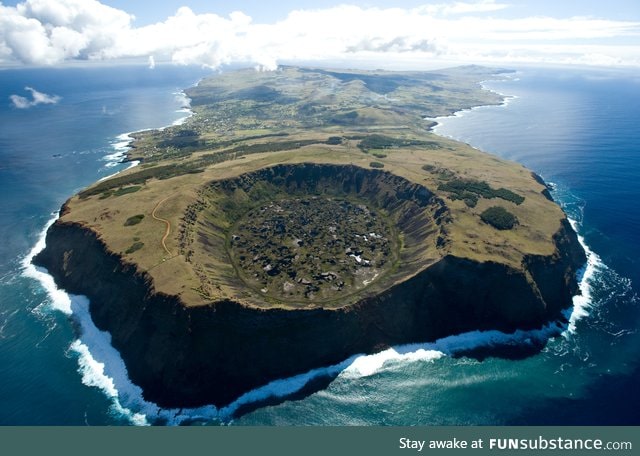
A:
(168, 230)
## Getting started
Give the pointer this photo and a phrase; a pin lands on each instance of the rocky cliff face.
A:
(188, 356)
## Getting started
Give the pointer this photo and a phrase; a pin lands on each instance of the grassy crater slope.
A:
(261, 226)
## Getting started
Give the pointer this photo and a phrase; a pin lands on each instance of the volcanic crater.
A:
(307, 235)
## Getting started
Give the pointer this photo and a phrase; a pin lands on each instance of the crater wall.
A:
(255, 219)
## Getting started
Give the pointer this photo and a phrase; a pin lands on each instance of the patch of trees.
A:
(106, 188)
(347, 118)
(119, 192)
(499, 218)
(182, 143)
(159, 172)
(387, 142)
(272, 146)
(134, 220)
(442, 173)
(470, 191)
(134, 247)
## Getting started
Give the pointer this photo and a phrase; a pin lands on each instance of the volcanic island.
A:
(302, 216)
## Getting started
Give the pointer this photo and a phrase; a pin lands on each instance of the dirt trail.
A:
(168, 230)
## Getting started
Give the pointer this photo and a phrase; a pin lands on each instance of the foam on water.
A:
(100, 365)
(121, 146)
(185, 101)
(131, 165)
(122, 143)
(582, 302)
(5, 317)
(59, 299)
(506, 100)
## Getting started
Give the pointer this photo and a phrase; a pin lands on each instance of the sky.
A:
(384, 33)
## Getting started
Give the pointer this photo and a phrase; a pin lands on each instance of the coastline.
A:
(125, 141)
(186, 108)
(76, 307)
(100, 367)
(506, 100)
(582, 300)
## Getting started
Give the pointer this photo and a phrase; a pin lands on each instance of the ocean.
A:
(574, 127)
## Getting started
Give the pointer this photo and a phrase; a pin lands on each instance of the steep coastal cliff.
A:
(186, 356)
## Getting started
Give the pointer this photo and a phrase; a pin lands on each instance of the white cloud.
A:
(53, 31)
(37, 98)
(447, 9)
(397, 44)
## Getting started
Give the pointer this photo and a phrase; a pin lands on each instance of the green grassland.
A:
(248, 121)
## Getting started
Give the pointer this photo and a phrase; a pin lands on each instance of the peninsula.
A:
(301, 216)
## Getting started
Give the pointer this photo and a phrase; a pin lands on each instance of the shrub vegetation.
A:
(470, 191)
(387, 142)
(499, 218)
(125, 190)
(134, 220)
(134, 247)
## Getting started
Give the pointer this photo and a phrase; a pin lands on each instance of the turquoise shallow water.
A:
(575, 128)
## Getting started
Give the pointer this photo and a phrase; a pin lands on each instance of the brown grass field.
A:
(247, 121)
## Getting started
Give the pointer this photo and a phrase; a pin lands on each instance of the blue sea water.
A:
(47, 153)
(577, 128)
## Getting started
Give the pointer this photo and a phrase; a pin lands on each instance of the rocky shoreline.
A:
(189, 356)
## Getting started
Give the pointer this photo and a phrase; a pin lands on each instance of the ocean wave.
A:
(101, 366)
(507, 99)
(59, 298)
(185, 101)
(120, 147)
(131, 165)
(5, 318)
(582, 302)
(122, 143)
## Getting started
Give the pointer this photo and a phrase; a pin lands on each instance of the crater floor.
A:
(315, 248)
